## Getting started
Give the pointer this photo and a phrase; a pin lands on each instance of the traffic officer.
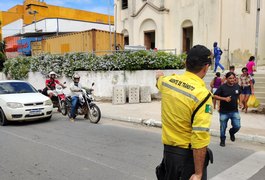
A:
(186, 118)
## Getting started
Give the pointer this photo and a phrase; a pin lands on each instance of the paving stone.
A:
(134, 94)
(119, 95)
(145, 94)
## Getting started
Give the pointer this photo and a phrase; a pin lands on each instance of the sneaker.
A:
(223, 71)
(72, 119)
(232, 136)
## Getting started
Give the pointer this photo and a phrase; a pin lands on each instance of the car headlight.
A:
(48, 102)
(14, 105)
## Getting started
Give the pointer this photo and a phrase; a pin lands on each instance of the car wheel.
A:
(3, 120)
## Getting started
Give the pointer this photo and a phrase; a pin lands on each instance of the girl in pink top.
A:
(251, 65)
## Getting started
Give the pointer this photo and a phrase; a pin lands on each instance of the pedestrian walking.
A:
(251, 66)
(231, 69)
(228, 94)
(186, 118)
(247, 87)
(217, 57)
(215, 84)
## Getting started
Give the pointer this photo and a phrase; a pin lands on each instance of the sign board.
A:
(36, 48)
(24, 45)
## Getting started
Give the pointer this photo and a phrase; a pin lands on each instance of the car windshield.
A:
(16, 87)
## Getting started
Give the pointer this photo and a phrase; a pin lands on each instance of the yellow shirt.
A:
(181, 94)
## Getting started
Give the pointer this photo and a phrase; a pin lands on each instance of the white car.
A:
(20, 101)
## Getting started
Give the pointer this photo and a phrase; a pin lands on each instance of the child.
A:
(215, 84)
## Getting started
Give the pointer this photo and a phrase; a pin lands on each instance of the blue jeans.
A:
(217, 63)
(74, 105)
(235, 122)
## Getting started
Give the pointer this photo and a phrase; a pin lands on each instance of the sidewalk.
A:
(252, 124)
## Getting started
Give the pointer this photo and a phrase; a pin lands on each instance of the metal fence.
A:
(107, 52)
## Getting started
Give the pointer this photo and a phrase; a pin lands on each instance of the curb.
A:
(155, 123)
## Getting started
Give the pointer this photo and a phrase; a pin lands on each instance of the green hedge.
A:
(18, 68)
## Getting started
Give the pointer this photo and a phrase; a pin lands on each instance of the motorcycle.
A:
(85, 106)
(58, 99)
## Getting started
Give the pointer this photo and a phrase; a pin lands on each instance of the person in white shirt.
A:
(76, 91)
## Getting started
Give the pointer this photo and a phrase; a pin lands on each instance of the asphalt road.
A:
(61, 150)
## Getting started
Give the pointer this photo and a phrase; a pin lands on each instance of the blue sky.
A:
(100, 6)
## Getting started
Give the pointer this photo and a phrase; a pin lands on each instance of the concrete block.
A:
(145, 94)
(119, 95)
(133, 94)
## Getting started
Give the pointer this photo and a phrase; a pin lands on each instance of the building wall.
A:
(49, 11)
(87, 41)
(65, 25)
(12, 15)
(12, 28)
(212, 21)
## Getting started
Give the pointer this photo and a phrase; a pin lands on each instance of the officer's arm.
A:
(159, 74)
(199, 158)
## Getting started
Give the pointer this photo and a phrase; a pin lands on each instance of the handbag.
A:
(253, 101)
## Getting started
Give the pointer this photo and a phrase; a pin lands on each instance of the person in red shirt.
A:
(51, 83)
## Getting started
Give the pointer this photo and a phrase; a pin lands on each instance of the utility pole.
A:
(109, 25)
(57, 30)
(257, 31)
(34, 17)
(115, 25)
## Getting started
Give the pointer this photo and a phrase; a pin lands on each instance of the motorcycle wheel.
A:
(95, 114)
(63, 108)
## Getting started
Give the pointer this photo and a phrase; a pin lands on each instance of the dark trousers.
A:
(179, 163)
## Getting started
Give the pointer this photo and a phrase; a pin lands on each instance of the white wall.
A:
(104, 81)
(12, 28)
(50, 25)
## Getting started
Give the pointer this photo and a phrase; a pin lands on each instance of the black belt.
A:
(177, 150)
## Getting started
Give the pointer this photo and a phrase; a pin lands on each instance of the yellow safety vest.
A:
(181, 94)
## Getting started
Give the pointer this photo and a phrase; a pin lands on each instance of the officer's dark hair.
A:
(198, 57)
(229, 74)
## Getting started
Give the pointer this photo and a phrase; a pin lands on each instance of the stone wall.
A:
(105, 81)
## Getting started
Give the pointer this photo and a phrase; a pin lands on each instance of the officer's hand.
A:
(195, 177)
(159, 73)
